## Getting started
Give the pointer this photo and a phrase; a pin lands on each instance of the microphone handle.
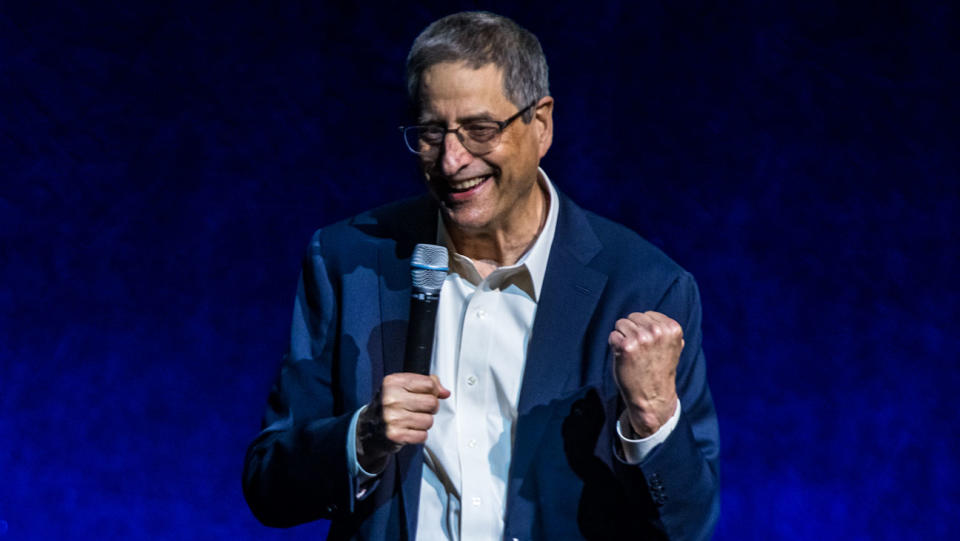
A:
(423, 317)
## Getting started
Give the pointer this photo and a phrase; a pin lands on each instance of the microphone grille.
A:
(428, 267)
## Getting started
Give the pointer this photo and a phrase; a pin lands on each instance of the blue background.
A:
(163, 166)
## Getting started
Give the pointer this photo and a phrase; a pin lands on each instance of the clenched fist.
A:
(646, 348)
(399, 414)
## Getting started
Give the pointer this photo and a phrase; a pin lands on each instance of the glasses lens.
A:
(476, 137)
(430, 135)
(481, 132)
(481, 137)
(418, 138)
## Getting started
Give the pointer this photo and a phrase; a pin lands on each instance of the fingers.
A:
(407, 420)
(412, 402)
(417, 383)
(637, 329)
(665, 324)
(409, 402)
(413, 392)
(406, 436)
(648, 326)
(643, 329)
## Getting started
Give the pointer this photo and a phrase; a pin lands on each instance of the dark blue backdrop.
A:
(163, 167)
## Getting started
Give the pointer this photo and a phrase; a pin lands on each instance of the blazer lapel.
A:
(395, 285)
(571, 291)
(570, 294)
(394, 307)
(399, 231)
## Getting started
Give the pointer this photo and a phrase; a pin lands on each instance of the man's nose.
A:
(455, 155)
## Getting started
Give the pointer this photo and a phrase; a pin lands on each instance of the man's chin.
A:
(461, 217)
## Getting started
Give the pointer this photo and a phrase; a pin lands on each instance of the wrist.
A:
(647, 416)
(372, 445)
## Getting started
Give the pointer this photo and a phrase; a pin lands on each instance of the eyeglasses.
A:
(477, 136)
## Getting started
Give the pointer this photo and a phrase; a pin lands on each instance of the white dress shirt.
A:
(482, 330)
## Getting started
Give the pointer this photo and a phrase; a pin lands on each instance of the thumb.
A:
(615, 340)
(443, 392)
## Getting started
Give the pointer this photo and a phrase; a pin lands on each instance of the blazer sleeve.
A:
(296, 468)
(681, 475)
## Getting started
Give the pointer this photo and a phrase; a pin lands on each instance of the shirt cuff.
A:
(363, 482)
(635, 450)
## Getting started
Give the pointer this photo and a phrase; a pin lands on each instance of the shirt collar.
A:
(533, 261)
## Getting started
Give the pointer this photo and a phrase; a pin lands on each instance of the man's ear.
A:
(543, 123)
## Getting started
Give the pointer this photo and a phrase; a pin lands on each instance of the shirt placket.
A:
(472, 386)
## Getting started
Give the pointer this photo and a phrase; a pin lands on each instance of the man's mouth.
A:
(461, 186)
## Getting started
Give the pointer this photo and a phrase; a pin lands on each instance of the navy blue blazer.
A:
(566, 482)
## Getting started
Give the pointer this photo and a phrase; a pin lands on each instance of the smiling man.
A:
(483, 175)
(568, 395)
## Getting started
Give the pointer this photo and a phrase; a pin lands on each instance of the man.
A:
(568, 395)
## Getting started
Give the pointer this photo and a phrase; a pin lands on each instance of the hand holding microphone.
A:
(402, 412)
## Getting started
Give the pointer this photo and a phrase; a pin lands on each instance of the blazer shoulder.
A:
(403, 222)
(626, 255)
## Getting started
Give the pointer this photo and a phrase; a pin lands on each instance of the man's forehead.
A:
(459, 114)
(458, 89)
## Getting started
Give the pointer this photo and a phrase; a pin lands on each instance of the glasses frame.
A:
(501, 124)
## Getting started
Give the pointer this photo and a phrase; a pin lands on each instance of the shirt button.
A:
(480, 314)
(476, 501)
(471, 380)
(472, 443)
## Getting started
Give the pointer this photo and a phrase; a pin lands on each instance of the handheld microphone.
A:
(428, 269)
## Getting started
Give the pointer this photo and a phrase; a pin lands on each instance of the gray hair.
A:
(480, 38)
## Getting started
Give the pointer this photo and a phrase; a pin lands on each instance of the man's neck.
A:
(506, 244)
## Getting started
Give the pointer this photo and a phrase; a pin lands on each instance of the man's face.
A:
(490, 193)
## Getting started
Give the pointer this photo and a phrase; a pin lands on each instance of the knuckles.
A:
(393, 380)
(394, 434)
(649, 328)
(647, 335)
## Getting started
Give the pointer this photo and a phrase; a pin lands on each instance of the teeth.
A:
(467, 184)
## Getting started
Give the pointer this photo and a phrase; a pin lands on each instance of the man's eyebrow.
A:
(474, 117)
(431, 120)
